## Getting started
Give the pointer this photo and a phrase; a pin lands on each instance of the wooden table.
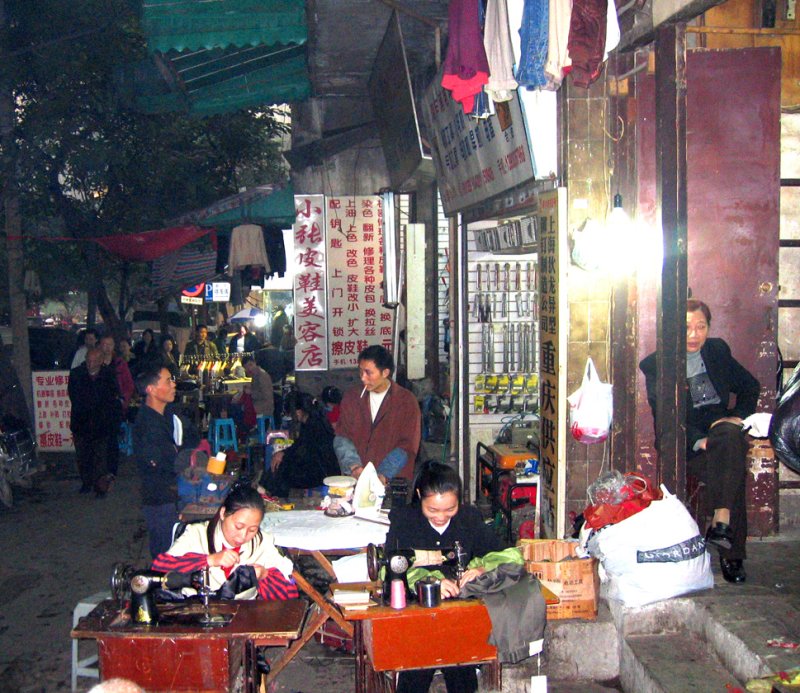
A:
(389, 640)
(306, 532)
(189, 657)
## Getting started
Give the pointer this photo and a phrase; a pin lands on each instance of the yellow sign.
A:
(552, 231)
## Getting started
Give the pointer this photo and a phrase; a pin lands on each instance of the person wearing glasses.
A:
(159, 434)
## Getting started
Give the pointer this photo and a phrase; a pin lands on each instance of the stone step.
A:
(672, 663)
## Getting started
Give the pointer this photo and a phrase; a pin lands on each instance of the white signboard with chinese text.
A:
(357, 318)
(475, 158)
(52, 411)
(310, 294)
(553, 326)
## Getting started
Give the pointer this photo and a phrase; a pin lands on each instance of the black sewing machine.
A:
(143, 587)
(397, 563)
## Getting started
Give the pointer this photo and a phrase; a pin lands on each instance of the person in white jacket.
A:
(232, 540)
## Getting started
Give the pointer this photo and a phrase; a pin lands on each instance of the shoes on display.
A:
(733, 570)
(720, 535)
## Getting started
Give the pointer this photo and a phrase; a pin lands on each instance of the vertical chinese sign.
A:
(52, 411)
(357, 318)
(310, 295)
(552, 359)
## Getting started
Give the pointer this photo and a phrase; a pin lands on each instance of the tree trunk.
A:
(13, 226)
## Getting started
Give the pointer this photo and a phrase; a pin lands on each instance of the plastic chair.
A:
(265, 424)
(222, 434)
(88, 665)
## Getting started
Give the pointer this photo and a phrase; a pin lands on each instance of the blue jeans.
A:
(160, 519)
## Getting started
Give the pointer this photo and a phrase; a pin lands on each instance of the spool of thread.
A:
(398, 597)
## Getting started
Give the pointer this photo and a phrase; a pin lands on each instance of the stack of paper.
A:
(351, 598)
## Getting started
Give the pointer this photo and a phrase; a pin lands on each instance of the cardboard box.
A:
(573, 580)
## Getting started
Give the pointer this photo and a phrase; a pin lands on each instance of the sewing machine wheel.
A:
(374, 561)
(120, 580)
(398, 564)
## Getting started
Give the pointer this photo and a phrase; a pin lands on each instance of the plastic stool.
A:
(265, 423)
(222, 433)
(126, 438)
(88, 665)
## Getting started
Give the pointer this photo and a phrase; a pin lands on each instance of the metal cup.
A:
(429, 592)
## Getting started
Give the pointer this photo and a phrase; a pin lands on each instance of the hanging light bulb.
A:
(618, 219)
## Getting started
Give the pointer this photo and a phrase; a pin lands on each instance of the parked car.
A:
(51, 348)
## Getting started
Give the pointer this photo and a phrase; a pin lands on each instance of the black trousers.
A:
(463, 679)
(722, 467)
(92, 457)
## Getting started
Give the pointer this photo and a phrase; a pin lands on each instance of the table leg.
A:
(322, 559)
(328, 608)
(493, 672)
(314, 622)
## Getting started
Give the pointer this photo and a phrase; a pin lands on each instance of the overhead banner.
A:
(357, 318)
(310, 290)
(475, 158)
(52, 410)
(552, 359)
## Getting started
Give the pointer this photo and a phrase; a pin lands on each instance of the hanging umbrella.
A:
(246, 314)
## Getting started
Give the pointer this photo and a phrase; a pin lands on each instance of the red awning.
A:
(150, 245)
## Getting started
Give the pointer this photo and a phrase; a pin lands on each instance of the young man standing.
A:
(380, 423)
(158, 435)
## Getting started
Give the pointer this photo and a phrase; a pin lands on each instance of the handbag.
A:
(591, 407)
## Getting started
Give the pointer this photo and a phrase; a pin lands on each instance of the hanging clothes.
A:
(557, 56)
(587, 40)
(533, 44)
(247, 248)
(466, 68)
(499, 54)
(612, 29)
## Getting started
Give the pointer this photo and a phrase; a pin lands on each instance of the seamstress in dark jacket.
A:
(716, 446)
(436, 519)
(159, 433)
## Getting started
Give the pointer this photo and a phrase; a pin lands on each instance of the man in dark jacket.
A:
(716, 445)
(159, 433)
(96, 410)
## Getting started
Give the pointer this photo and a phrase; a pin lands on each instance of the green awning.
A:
(217, 56)
(215, 81)
(267, 205)
(179, 25)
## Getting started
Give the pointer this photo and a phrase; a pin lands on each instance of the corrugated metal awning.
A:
(217, 56)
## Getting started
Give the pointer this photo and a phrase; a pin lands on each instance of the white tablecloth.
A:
(313, 530)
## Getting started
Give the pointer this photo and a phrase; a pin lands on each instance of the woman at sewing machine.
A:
(437, 519)
(243, 562)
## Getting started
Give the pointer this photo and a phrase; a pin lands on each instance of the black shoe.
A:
(720, 535)
(261, 661)
(86, 488)
(733, 570)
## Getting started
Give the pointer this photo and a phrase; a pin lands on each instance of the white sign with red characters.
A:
(356, 316)
(310, 317)
(52, 411)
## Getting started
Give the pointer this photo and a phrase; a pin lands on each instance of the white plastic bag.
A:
(591, 407)
(655, 554)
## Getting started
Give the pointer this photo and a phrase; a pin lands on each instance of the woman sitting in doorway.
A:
(434, 519)
(306, 463)
(243, 562)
